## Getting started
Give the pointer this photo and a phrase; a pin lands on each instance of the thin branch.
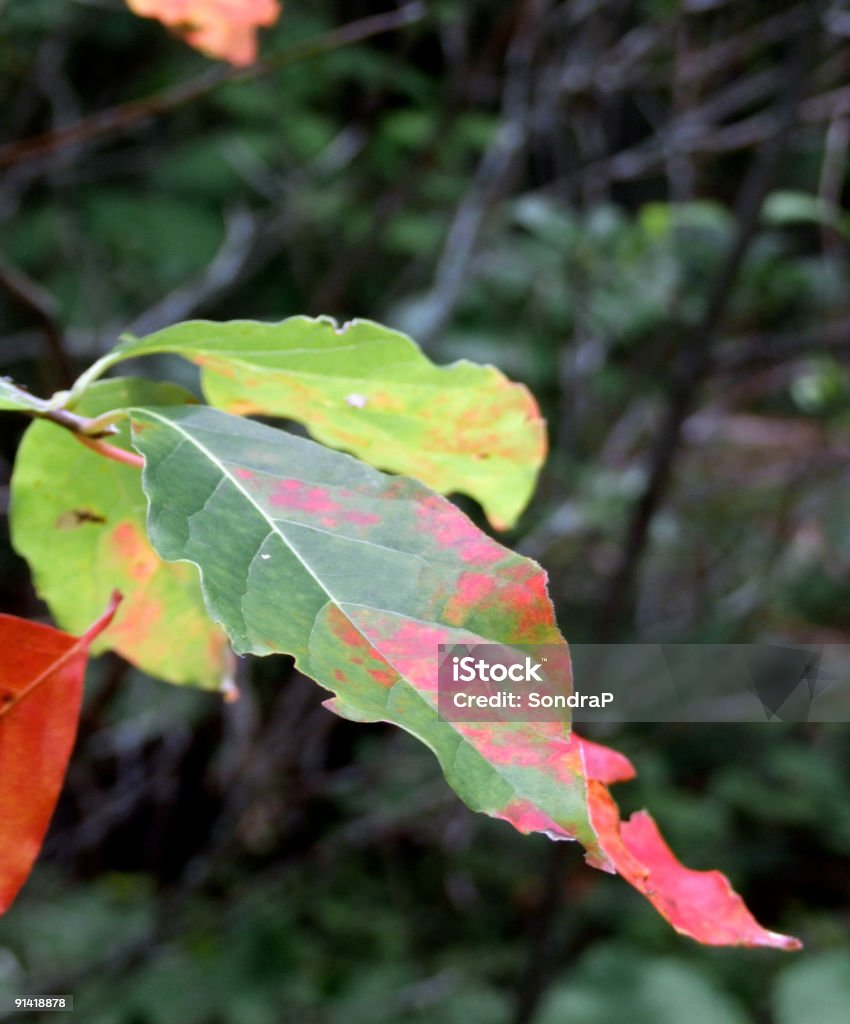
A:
(496, 167)
(759, 351)
(37, 301)
(100, 426)
(697, 358)
(125, 116)
(91, 432)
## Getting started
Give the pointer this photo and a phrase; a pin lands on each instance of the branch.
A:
(697, 358)
(127, 115)
(498, 164)
(91, 432)
(32, 297)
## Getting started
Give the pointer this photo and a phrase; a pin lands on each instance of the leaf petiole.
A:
(109, 451)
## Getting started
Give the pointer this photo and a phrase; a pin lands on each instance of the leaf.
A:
(79, 521)
(784, 208)
(41, 690)
(700, 904)
(15, 399)
(226, 29)
(371, 391)
(360, 576)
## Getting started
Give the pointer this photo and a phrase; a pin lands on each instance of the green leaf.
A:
(784, 208)
(370, 390)
(15, 399)
(359, 576)
(79, 520)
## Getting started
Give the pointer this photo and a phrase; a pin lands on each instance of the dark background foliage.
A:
(638, 209)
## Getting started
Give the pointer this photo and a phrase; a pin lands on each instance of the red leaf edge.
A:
(699, 904)
(38, 726)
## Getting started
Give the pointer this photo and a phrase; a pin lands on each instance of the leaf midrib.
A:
(222, 465)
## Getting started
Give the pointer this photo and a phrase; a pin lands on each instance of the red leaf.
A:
(41, 689)
(220, 28)
(604, 764)
(700, 904)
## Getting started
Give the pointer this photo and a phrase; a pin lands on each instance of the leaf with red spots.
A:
(370, 391)
(226, 29)
(360, 576)
(41, 689)
(79, 520)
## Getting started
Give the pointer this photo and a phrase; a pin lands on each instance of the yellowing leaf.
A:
(370, 390)
(226, 29)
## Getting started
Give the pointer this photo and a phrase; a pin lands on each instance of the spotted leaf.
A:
(360, 577)
(371, 391)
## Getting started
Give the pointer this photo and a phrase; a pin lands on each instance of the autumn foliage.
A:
(341, 550)
(41, 690)
(225, 29)
(217, 525)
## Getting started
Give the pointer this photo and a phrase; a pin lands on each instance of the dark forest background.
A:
(638, 208)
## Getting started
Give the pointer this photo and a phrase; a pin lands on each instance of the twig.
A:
(100, 426)
(40, 303)
(754, 38)
(831, 182)
(127, 115)
(91, 432)
(697, 358)
(496, 167)
(759, 351)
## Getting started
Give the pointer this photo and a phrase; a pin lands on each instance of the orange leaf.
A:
(226, 29)
(700, 904)
(41, 690)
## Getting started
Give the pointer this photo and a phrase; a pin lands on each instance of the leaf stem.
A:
(91, 432)
(109, 451)
(96, 370)
(82, 643)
